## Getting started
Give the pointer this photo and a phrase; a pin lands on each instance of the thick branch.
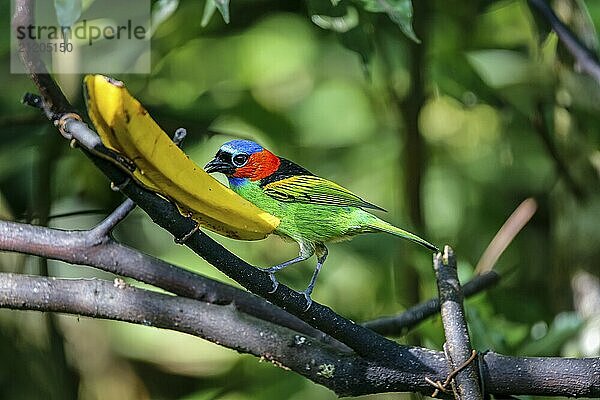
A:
(399, 324)
(346, 374)
(102, 252)
(458, 344)
(548, 376)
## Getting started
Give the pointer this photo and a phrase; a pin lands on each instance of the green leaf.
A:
(350, 25)
(67, 11)
(223, 7)
(209, 9)
(162, 10)
(399, 11)
(337, 24)
(211, 6)
(500, 68)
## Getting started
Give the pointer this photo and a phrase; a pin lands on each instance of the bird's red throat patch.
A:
(259, 166)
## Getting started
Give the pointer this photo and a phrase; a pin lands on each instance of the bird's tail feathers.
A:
(383, 226)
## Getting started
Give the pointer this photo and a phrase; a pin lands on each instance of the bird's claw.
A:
(308, 300)
(274, 280)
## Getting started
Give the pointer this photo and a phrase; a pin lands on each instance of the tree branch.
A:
(413, 159)
(102, 252)
(48, 88)
(399, 324)
(104, 228)
(458, 344)
(345, 373)
(222, 324)
(586, 59)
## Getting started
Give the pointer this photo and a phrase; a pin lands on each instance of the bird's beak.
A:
(216, 165)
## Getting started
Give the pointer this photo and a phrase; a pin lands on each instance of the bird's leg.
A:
(305, 253)
(321, 251)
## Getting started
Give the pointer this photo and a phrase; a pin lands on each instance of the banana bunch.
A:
(161, 166)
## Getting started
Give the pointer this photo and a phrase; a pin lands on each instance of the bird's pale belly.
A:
(319, 223)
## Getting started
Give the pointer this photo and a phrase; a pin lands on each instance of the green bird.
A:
(313, 211)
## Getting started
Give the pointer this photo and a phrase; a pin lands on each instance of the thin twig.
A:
(398, 325)
(541, 127)
(458, 344)
(513, 225)
(179, 136)
(105, 227)
(50, 91)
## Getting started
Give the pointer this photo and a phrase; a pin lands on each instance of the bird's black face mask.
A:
(221, 163)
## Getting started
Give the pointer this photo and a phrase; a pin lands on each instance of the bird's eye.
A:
(239, 160)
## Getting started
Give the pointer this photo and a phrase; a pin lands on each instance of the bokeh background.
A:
(449, 135)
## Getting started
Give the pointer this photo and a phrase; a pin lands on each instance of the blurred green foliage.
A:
(327, 84)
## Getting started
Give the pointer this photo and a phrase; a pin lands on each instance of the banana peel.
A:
(126, 127)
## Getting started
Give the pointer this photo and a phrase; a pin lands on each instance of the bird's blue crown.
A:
(241, 146)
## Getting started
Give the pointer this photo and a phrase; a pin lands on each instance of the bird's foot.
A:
(309, 301)
(271, 273)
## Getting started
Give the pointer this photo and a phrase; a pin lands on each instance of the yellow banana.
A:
(126, 127)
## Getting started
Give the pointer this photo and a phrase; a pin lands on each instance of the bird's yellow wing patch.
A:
(314, 190)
